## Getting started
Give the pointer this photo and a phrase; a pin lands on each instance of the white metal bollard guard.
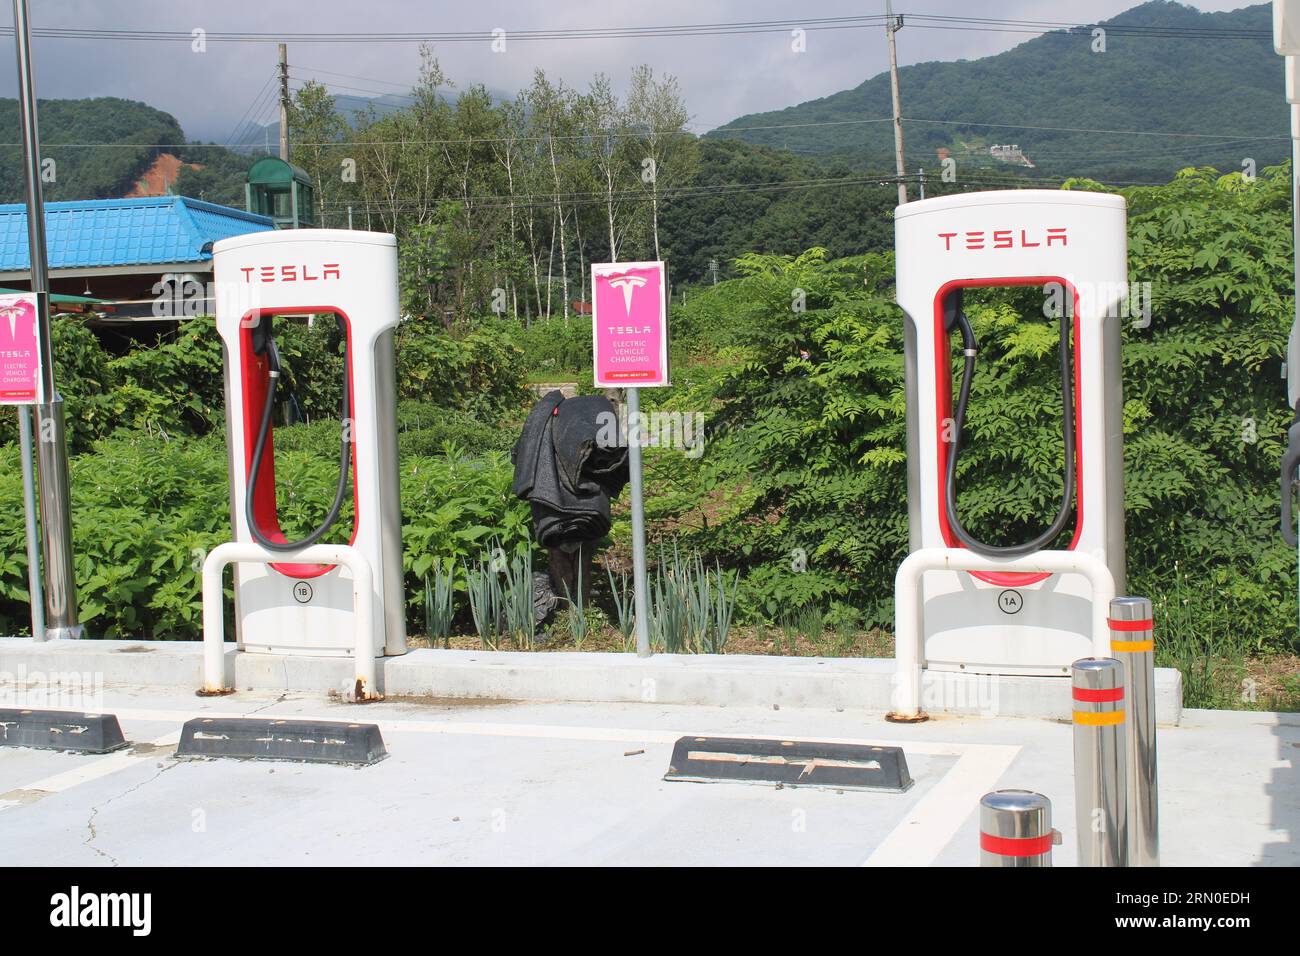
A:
(214, 677)
(907, 606)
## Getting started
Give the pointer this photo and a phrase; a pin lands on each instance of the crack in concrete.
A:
(279, 700)
(94, 811)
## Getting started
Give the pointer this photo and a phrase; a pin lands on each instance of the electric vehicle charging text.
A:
(292, 606)
(1072, 247)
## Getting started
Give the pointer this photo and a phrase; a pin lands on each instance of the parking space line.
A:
(931, 824)
(95, 769)
(923, 833)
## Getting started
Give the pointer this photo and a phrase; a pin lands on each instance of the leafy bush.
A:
(177, 386)
(804, 467)
(427, 429)
(555, 349)
(478, 371)
(146, 510)
(805, 459)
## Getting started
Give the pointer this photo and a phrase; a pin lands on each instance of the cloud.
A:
(723, 77)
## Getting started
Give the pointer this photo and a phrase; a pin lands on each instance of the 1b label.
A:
(1010, 602)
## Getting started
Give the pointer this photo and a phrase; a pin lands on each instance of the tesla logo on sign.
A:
(305, 273)
(1003, 238)
(627, 285)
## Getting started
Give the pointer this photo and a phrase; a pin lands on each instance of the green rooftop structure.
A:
(282, 191)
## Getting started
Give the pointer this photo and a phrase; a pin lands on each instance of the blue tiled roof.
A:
(90, 233)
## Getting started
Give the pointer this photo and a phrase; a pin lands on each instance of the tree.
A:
(657, 113)
(317, 130)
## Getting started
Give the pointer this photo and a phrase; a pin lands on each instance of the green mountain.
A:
(1167, 70)
(83, 171)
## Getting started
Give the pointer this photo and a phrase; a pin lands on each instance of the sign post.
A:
(20, 385)
(1286, 42)
(629, 330)
(51, 444)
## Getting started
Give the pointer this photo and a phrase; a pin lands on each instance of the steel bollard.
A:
(1133, 644)
(1016, 829)
(1100, 762)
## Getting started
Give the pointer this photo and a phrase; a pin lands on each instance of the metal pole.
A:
(1016, 829)
(1100, 762)
(33, 532)
(52, 452)
(1293, 341)
(639, 587)
(893, 25)
(284, 105)
(1132, 642)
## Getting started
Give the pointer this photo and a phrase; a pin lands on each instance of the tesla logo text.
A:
(1003, 238)
(330, 270)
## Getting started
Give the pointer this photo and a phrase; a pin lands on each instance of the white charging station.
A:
(1072, 244)
(287, 606)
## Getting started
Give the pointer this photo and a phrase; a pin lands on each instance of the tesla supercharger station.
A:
(1072, 246)
(264, 279)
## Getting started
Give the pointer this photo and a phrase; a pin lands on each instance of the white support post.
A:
(214, 678)
(907, 606)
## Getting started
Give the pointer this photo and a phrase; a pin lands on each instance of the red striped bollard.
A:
(1132, 641)
(1016, 829)
(1100, 762)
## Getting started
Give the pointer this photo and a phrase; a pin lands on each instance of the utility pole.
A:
(284, 102)
(51, 445)
(892, 26)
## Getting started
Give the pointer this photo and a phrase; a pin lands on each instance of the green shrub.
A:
(146, 510)
(478, 371)
(555, 349)
(803, 484)
(427, 429)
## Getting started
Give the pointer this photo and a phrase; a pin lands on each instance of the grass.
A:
(1198, 631)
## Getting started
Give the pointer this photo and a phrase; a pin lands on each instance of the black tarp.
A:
(569, 463)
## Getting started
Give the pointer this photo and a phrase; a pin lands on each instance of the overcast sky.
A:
(722, 76)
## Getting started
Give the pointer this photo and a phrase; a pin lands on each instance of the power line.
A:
(253, 109)
(463, 36)
(922, 21)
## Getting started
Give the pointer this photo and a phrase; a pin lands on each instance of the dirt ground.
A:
(741, 640)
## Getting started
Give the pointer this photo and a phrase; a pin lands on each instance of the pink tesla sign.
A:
(20, 358)
(629, 324)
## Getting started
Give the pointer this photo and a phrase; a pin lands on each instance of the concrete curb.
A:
(700, 679)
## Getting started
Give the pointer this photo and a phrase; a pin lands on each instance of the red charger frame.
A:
(255, 382)
(943, 412)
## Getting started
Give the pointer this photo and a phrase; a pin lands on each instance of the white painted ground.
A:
(562, 784)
